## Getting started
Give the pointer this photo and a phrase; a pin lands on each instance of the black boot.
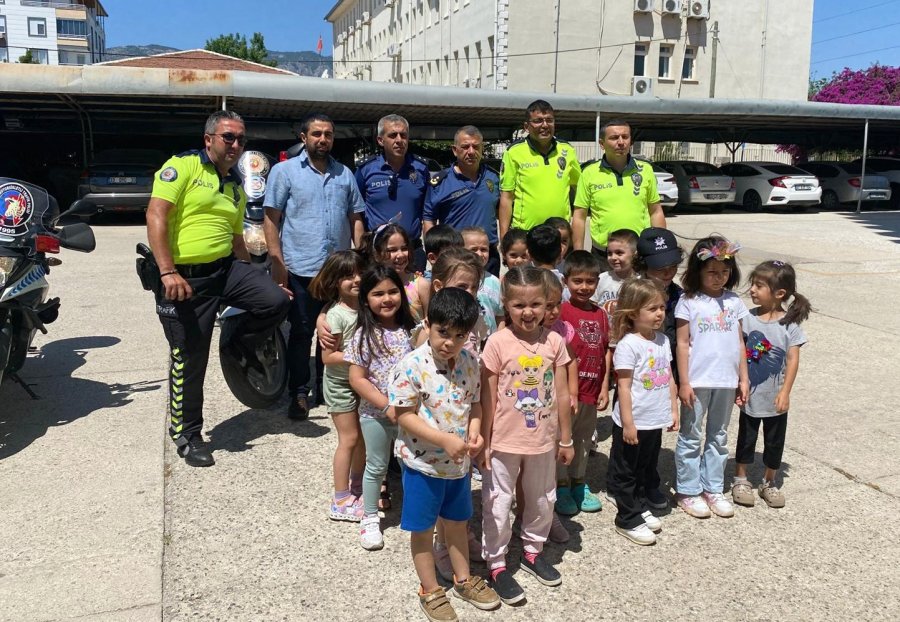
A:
(196, 453)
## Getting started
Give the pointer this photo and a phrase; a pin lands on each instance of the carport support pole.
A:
(862, 179)
(597, 137)
(224, 102)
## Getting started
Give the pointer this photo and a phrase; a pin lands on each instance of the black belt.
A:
(199, 270)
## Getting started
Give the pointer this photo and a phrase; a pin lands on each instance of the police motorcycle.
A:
(31, 228)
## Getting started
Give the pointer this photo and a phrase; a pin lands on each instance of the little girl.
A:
(337, 283)
(514, 248)
(389, 245)
(522, 432)
(565, 234)
(381, 340)
(647, 404)
(773, 338)
(712, 372)
(476, 240)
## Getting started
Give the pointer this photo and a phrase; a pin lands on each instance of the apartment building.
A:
(664, 48)
(57, 32)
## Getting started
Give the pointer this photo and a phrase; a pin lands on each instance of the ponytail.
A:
(798, 311)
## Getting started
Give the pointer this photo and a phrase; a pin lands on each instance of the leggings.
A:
(379, 435)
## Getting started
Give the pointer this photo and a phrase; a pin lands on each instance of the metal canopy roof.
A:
(174, 100)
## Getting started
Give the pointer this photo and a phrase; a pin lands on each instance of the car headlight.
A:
(7, 268)
(254, 238)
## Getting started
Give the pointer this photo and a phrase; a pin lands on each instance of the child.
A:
(436, 394)
(565, 233)
(773, 338)
(337, 283)
(514, 249)
(437, 240)
(545, 248)
(381, 340)
(389, 245)
(521, 432)
(590, 346)
(476, 240)
(647, 403)
(712, 364)
(658, 257)
(620, 250)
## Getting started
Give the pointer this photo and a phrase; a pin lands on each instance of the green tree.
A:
(236, 45)
(28, 58)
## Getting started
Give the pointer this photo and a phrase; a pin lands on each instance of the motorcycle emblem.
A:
(255, 187)
(253, 163)
(16, 208)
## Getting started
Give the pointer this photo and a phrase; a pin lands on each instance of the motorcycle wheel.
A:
(250, 386)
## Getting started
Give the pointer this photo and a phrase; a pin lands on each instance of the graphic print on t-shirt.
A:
(528, 397)
(722, 322)
(659, 374)
(764, 360)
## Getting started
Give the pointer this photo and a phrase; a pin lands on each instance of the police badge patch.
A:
(561, 161)
(413, 176)
(168, 174)
(490, 185)
(636, 179)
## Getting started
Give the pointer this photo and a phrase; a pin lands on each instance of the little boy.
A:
(620, 249)
(437, 239)
(545, 248)
(436, 393)
(590, 345)
(476, 240)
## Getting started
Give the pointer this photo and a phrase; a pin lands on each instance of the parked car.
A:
(700, 183)
(890, 168)
(772, 184)
(121, 180)
(842, 182)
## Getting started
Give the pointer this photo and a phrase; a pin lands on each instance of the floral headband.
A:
(722, 250)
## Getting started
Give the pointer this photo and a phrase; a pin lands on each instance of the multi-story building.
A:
(65, 32)
(665, 48)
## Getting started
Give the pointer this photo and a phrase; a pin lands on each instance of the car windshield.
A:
(700, 168)
(658, 169)
(784, 169)
(130, 156)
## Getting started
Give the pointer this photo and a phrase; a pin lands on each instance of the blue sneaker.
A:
(565, 504)
(586, 500)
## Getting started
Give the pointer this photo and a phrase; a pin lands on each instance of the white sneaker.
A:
(693, 505)
(639, 535)
(370, 533)
(718, 504)
(653, 523)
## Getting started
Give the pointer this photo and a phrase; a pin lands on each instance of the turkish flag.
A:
(319, 46)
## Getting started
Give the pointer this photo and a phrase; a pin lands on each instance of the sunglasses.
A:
(228, 138)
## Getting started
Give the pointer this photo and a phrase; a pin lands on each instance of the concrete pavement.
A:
(102, 521)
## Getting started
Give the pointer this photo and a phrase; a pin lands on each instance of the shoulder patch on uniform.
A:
(190, 152)
(517, 141)
(438, 177)
(168, 174)
(366, 160)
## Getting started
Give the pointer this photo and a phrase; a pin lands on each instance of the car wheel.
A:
(716, 208)
(752, 202)
(830, 200)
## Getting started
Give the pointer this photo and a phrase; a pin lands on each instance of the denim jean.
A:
(700, 458)
(379, 435)
(302, 316)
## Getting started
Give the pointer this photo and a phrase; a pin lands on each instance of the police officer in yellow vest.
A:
(618, 192)
(195, 224)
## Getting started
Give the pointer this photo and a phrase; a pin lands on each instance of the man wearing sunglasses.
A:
(195, 226)
(395, 182)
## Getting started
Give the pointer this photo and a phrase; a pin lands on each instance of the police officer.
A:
(618, 192)
(195, 229)
(466, 194)
(394, 182)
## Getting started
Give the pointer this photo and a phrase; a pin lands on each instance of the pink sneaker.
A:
(693, 505)
(350, 509)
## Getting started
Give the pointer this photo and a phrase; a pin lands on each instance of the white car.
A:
(772, 184)
(666, 187)
(890, 168)
(842, 182)
(700, 183)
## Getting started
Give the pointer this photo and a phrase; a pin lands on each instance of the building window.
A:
(490, 68)
(71, 28)
(665, 60)
(2, 25)
(640, 58)
(37, 27)
(40, 56)
(687, 67)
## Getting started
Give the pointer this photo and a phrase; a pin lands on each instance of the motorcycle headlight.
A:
(7, 268)
(254, 238)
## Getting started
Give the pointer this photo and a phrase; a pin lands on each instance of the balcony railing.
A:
(55, 4)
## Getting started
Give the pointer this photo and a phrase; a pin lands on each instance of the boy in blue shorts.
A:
(436, 393)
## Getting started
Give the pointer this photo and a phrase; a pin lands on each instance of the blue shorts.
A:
(425, 498)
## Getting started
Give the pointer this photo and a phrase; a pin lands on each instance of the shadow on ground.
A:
(239, 432)
(882, 223)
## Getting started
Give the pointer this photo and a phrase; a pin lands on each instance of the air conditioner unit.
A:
(698, 9)
(643, 6)
(388, 2)
(366, 18)
(393, 50)
(641, 86)
(341, 38)
(671, 7)
(358, 23)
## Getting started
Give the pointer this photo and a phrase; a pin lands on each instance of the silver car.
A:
(841, 183)
(700, 183)
(120, 180)
(890, 168)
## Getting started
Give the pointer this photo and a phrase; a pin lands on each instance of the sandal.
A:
(742, 493)
(771, 495)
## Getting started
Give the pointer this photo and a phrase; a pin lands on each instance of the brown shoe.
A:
(436, 606)
(742, 493)
(771, 495)
(476, 592)
(298, 410)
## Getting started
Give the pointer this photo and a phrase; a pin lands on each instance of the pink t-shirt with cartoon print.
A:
(526, 419)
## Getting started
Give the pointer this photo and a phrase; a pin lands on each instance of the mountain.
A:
(304, 63)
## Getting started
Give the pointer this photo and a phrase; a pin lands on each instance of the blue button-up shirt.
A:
(317, 209)
(387, 193)
(458, 201)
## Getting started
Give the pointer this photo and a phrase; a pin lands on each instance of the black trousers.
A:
(600, 253)
(188, 326)
(774, 433)
(493, 262)
(304, 311)
(632, 470)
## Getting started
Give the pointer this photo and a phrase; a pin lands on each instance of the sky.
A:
(845, 34)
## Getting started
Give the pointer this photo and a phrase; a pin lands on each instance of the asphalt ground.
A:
(101, 521)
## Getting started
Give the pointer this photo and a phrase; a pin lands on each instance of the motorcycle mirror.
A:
(77, 237)
(81, 207)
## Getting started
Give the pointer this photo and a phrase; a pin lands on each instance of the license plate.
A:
(122, 180)
(803, 187)
(716, 196)
(877, 195)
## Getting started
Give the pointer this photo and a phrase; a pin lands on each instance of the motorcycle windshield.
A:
(25, 210)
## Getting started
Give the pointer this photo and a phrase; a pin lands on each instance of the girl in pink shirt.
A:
(527, 427)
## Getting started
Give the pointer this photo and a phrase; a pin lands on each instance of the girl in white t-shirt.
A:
(712, 371)
(647, 404)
